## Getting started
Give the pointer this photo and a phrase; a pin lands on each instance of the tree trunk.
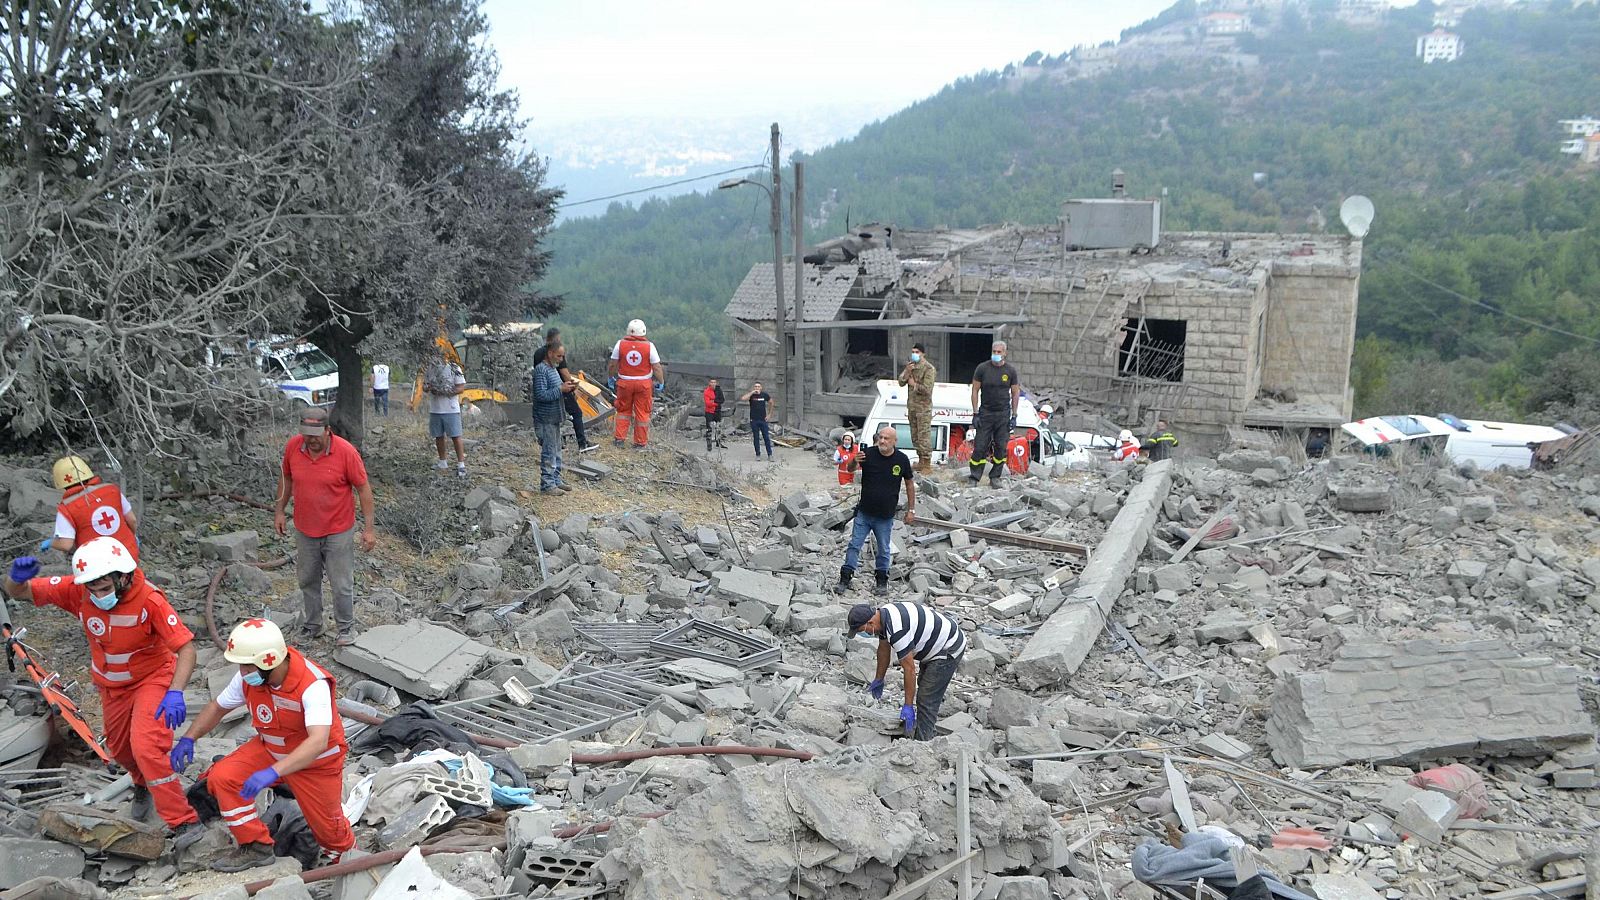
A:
(349, 410)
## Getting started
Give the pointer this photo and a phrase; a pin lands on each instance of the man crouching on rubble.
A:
(299, 740)
(920, 636)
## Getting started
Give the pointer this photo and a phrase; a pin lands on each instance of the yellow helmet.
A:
(70, 470)
(256, 642)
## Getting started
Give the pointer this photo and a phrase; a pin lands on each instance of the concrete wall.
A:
(1311, 331)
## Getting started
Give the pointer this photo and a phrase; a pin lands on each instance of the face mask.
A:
(106, 602)
(255, 678)
(916, 357)
(997, 358)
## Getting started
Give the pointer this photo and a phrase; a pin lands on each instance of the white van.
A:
(300, 371)
(950, 422)
(1488, 445)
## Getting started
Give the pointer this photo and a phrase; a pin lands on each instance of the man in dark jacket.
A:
(1161, 442)
(549, 389)
(552, 338)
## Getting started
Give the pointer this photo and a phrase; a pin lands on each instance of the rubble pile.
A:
(1379, 679)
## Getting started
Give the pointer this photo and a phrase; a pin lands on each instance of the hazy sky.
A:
(703, 58)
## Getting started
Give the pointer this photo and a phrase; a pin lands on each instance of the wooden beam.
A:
(1006, 537)
(914, 322)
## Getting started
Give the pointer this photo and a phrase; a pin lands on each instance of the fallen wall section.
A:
(1060, 646)
(1420, 699)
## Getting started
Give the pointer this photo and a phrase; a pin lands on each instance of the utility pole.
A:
(798, 230)
(782, 374)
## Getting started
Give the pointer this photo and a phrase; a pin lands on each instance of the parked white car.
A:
(1488, 445)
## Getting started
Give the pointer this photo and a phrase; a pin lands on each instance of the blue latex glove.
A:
(44, 545)
(172, 710)
(908, 717)
(1013, 421)
(875, 688)
(182, 754)
(611, 384)
(258, 782)
(659, 388)
(24, 568)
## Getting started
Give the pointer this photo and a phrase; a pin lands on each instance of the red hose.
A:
(572, 831)
(360, 865)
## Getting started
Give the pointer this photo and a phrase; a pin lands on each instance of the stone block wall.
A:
(1422, 699)
(1311, 331)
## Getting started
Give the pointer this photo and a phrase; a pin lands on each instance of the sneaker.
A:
(345, 639)
(564, 488)
(143, 805)
(441, 465)
(241, 858)
(187, 835)
(881, 589)
(641, 446)
(994, 483)
(461, 469)
(309, 632)
(618, 444)
(588, 448)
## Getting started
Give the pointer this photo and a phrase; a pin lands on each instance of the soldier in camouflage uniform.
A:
(918, 377)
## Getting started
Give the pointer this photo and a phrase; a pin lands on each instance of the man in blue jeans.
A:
(760, 403)
(549, 392)
(883, 470)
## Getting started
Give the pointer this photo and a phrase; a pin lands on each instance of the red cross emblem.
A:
(270, 659)
(254, 623)
(116, 551)
(106, 520)
(81, 565)
(230, 643)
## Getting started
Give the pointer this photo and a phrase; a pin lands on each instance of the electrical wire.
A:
(1489, 306)
(660, 186)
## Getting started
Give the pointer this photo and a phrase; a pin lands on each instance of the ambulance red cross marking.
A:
(106, 520)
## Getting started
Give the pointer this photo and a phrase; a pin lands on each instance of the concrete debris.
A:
(103, 832)
(22, 859)
(1425, 698)
(417, 657)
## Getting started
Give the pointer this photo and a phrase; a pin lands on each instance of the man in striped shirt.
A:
(921, 638)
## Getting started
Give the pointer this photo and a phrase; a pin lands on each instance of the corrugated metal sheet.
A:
(825, 293)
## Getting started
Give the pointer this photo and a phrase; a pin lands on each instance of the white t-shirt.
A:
(655, 360)
(64, 527)
(451, 403)
(315, 701)
(380, 377)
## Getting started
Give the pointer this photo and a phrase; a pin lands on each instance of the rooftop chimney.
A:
(1118, 183)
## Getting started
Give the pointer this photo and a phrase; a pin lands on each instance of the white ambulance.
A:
(951, 423)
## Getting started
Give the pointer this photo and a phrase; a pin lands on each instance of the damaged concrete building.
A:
(1214, 330)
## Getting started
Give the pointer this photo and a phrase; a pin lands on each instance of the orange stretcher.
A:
(55, 694)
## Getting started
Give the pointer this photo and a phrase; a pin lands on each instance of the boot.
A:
(246, 857)
(924, 466)
(882, 587)
(187, 835)
(142, 805)
(844, 580)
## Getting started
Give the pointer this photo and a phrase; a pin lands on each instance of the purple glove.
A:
(24, 568)
(258, 782)
(172, 710)
(908, 717)
(875, 688)
(182, 754)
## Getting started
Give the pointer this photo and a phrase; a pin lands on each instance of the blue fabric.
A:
(549, 434)
(759, 430)
(547, 394)
(881, 528)
(1201, 856)
(380, 401)
(444, 425)
(503, 796)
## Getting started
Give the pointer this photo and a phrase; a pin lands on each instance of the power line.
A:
(660, 186)
(1491, 307)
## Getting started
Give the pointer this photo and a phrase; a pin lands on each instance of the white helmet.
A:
(1126, 436)
(636, 328)
(99, 558)
(256, 642)
(1047, 409)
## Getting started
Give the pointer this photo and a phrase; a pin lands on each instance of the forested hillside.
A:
(1483, 252)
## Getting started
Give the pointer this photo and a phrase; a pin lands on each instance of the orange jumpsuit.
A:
(132, 656)
(280, 718)
(635, 389)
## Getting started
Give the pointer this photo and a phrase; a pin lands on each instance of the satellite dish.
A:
(1356, 213)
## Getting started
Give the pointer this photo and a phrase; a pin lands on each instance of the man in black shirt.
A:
(996, 387)
(883, 470)
(552, 338)
(759, 427)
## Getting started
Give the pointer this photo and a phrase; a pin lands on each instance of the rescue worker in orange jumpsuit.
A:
(636, 374)
(844, 454)
(299, 741)
(141, 656)
(89, 508)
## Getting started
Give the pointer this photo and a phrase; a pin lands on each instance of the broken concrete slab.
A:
(1424, 698)
(101, 831)
(745, 584)
(235, 546)
(24, 858)
(1060, 645)
(417, 657)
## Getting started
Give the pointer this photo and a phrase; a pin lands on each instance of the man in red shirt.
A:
(320, 470)
(299, 741)
(89, 508)
(140, 655)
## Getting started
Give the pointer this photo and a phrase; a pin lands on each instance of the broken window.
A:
(1152, 348)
